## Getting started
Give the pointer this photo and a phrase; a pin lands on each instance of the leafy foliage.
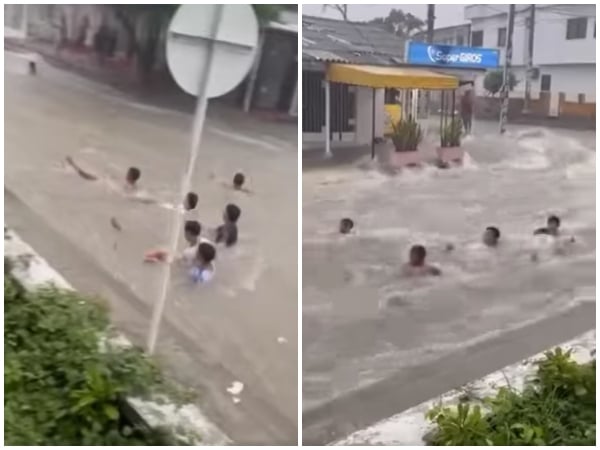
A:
(557, 407)
(403, 25)
(406, 135)
(452, 133)
(61, 387)
(494, 80)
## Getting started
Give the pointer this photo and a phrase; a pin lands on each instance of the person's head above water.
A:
(491, 236)
(238, 180)
(553, 223)
(346, 225)
(191, 231)
(206, 253)
(232, 213)
(417, 255)
(191, 201)
(133, 175)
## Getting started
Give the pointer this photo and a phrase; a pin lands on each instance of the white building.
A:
(564, 46)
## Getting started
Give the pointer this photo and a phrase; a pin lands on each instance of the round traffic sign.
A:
(191, 33)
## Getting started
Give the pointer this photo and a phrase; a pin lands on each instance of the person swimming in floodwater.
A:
(346, 225)
(228, 232)
(491, 236)
(130, 186)
(191, 234)
(417, 265)
(203, 269)
(551, 228)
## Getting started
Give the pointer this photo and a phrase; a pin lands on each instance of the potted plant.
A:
(450, 150)
(406, 136)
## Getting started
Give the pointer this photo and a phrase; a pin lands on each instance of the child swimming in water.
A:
(417, 266)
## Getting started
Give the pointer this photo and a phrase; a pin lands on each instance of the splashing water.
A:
(377, 322)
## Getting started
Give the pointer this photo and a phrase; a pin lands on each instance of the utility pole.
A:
(528, 74)
(430, 22)
(430, 26)
(507, 67)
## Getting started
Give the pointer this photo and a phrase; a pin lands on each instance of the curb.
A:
(185, 421)
(410, 426)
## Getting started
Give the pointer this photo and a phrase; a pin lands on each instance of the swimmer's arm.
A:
(229, 186)
(82, 173)
(434, 271)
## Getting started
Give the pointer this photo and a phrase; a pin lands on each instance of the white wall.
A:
(550, 43)
(572, 79)
(364, 114)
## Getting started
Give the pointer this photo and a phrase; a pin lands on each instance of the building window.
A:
(545, 83)
(502, 37)
(460, 40)
(577, 28)
(477, 38)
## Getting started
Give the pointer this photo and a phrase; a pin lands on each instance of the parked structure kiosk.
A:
(380, 77)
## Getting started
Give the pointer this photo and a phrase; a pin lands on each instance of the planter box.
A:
(451, 154)
(405, 159)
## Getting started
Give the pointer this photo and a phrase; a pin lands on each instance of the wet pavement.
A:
(363, 323)
(245, 322)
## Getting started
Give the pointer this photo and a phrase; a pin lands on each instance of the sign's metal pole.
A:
(177, 218)
(507, 66)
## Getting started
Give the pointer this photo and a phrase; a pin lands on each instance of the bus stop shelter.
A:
(380, 77)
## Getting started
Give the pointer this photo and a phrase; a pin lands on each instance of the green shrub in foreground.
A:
(60, 388)
(557, 407)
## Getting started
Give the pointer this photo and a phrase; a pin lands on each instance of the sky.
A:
(446, 15)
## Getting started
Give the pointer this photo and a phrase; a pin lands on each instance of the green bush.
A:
(556, 407)
(406, 135)
(452, 133)
(60, 387)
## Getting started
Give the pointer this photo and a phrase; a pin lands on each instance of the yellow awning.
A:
(390, 77)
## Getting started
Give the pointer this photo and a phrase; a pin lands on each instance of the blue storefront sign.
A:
(452, 56)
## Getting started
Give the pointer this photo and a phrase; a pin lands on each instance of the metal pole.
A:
(373, 127)
(528, 74)
(507, 66)
(327, 119)
(176, 217)
(430, 22)
(442, 118)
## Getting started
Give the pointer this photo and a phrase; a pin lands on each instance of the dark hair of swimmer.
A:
(192, 227)
(417, 255)
(491, 236)
(191, 200)
(206, 252)
(133, 175)
(553, 222)
(346, 225)
(238, 180)
(232, 213)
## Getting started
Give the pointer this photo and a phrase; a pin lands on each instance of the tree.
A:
(145, 23)
(342, 9)
(403, 25)
(494, 79)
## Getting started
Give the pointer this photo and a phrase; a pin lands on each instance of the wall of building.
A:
(570, 63)
(364, 115)
(550, 44)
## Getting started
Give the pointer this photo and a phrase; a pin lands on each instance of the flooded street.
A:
(363, 322)
(240, 328)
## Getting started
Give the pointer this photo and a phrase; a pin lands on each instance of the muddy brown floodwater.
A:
(363, 322)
